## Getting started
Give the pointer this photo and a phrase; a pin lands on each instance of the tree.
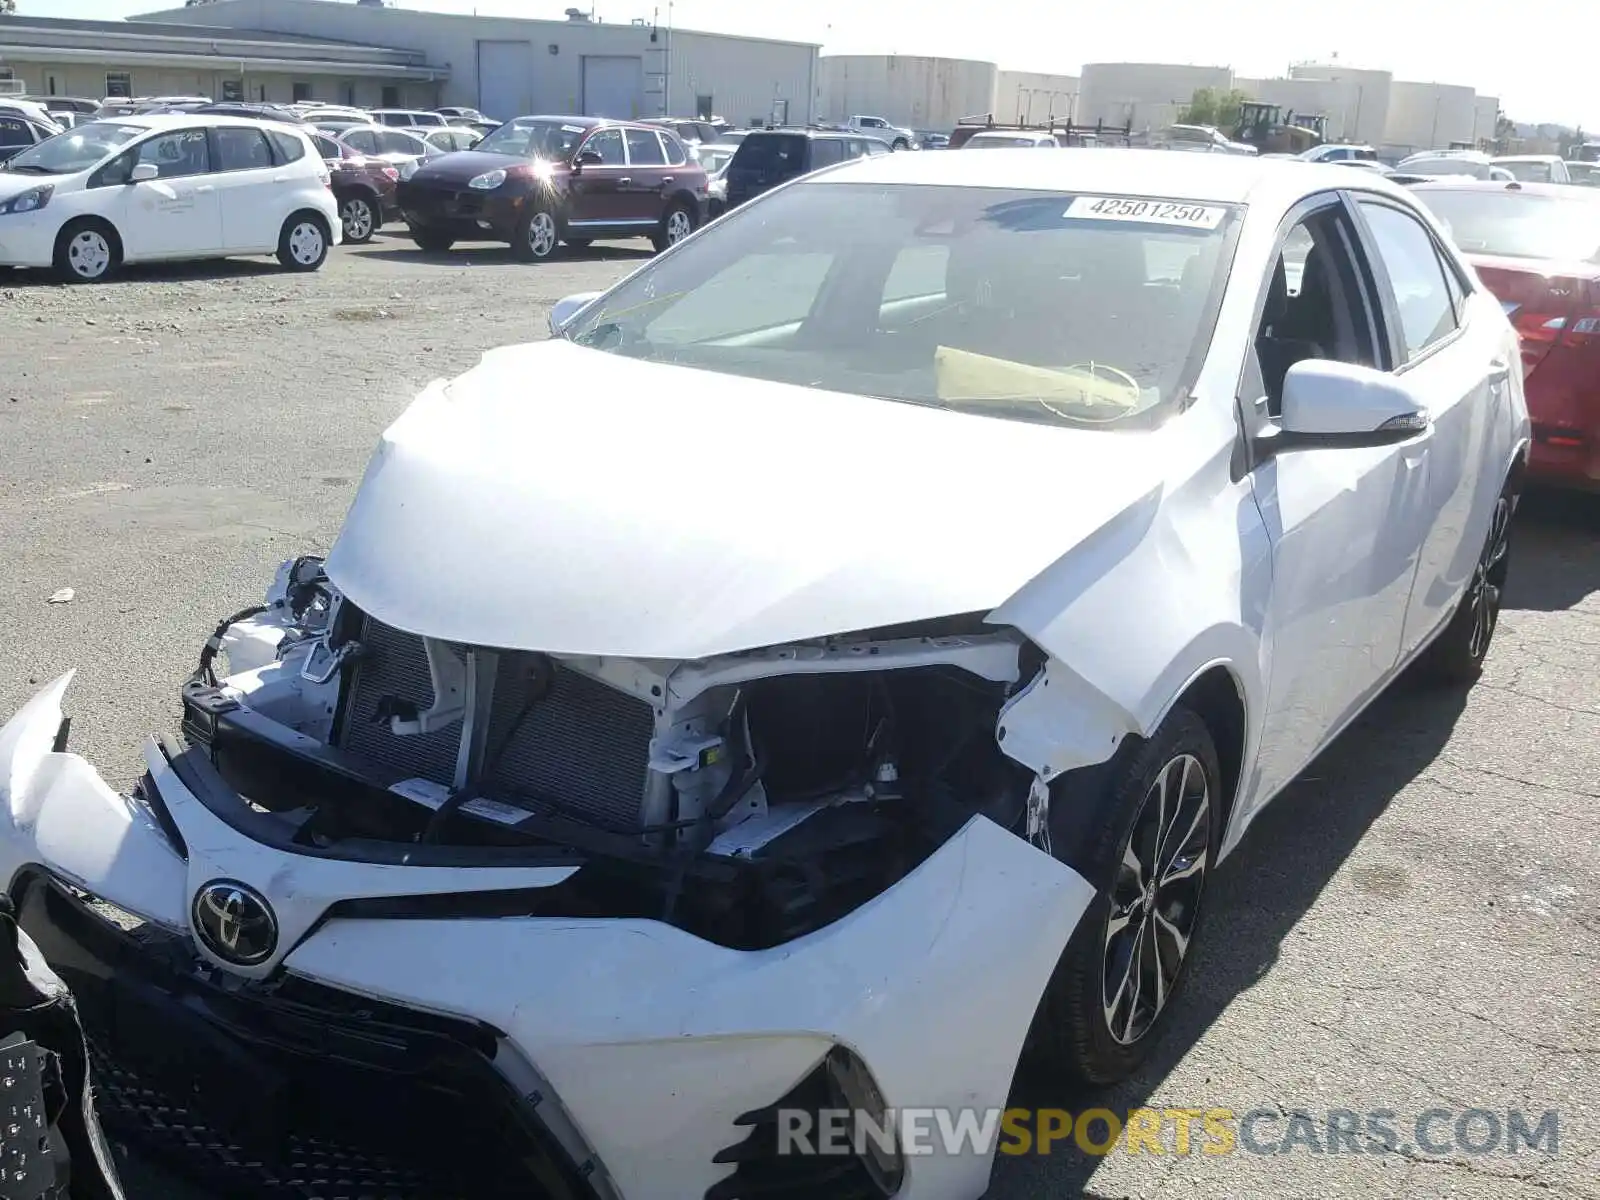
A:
(8, 6)
(1210, 107)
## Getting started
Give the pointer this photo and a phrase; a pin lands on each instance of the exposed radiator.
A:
(584, 747)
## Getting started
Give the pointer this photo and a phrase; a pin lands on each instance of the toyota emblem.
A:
(235, 923)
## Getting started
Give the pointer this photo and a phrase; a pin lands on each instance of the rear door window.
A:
(242, 149)
(644, 149)
(1416, 277)
(394, 142)
(364, 140)
(775, 156)
(827, 151)
(677, 156)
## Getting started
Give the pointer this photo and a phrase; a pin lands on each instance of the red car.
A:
(1537, 248)
(363, 186)
(539, 181)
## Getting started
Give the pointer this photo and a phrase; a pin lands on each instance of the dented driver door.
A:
(1346, 523)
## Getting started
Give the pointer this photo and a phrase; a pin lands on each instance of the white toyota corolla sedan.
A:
(160, 187)
(827, 672)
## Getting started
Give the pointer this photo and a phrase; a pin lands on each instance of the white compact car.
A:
(828, 671)
(147, 188)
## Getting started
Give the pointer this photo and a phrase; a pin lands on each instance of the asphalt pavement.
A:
(1412, 927)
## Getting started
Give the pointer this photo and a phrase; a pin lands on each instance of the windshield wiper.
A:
(32, 167)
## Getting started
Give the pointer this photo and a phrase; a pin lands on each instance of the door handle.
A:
(1499, 371)
(625, 181)
(205, 189)
(666, 179)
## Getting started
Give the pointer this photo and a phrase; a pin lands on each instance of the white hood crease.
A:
(572, 501)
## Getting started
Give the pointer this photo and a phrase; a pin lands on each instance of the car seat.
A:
(1277, 349)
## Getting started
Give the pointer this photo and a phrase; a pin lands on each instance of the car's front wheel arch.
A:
(1111, 823)
(67, 265)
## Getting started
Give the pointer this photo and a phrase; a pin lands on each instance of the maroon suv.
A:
(364, 188)
(539, 181)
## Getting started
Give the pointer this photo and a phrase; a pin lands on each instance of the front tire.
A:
(358, 216)
(431, 241)
(1146, 837)
(677, 223)
(537, 236)
(87, 251)
(303, 244)
(1456, 657)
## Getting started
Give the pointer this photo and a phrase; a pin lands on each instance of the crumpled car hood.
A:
(568, 500)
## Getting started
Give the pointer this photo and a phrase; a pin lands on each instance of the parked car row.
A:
(166, 186)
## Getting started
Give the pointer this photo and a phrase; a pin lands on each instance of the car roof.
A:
(1477, 156)
(802, 131)
(1465, 183)
(158, 121)
(1538, 158)
(1218, 178)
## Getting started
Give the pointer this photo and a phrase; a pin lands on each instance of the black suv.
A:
(768, 157)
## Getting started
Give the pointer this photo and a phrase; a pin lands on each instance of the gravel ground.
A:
(1411, 927)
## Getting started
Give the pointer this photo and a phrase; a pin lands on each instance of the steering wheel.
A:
(1096, 370)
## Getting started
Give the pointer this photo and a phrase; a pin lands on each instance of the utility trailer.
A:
(1066, 133)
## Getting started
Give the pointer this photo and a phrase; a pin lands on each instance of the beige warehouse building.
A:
(509, 66)
(95, 59)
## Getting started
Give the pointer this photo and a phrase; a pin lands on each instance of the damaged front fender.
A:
(56, 811)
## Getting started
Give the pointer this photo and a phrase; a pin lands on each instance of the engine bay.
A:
(749, 799)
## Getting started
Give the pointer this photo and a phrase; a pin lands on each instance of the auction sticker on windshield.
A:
(1146, 212)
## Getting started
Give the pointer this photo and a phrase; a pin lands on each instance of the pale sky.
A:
(1536, 55)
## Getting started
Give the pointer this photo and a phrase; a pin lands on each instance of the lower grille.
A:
(438, 202)
(582, 747)
(168, 1128)
(291, 1090)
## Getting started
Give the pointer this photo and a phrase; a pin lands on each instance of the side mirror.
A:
(144, 173)
(1336, 405)
(588, 158)
(567, 308)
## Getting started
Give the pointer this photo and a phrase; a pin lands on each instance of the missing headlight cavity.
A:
(751, 798)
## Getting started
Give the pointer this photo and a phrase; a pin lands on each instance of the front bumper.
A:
(463, 212)
(28, 239)
(642, 1043)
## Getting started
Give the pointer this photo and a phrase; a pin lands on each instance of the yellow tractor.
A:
(1271, 131)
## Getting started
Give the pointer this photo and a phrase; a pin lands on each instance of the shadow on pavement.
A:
(146, 273)
(1555, 551)
(397, 247)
